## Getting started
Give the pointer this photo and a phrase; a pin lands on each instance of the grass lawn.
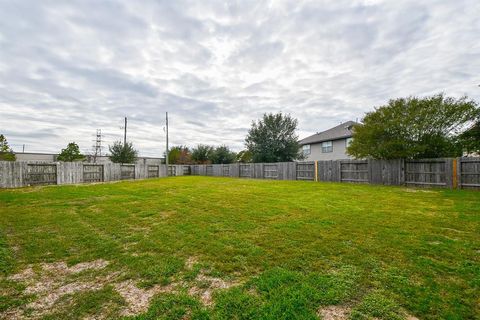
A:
(224, 248)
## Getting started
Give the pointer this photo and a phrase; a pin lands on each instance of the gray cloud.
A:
(69, 68)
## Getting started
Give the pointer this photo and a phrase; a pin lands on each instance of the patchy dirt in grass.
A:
(62, 268)
(49, 282)
(206, 285)
(28, 273)
(334, 313)
(138, 299)
(191, 261)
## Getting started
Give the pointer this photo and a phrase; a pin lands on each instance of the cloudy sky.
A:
(68, 68)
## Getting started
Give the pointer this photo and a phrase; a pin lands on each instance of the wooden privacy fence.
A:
(444, 172)
(14, 174)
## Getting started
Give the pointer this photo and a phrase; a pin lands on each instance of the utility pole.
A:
(166, 130)
(125, 133)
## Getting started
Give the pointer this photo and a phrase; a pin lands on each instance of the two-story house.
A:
(330, 144)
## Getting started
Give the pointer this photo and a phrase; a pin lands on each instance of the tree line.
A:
(406, 128)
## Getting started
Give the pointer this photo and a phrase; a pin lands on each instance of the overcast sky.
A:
(68, 68)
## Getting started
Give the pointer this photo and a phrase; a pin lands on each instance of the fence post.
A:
(454, 174)
(316, 171)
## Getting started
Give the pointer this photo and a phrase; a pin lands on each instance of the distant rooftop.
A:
(342, 131)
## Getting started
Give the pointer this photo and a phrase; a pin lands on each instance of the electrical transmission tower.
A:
(97, 147)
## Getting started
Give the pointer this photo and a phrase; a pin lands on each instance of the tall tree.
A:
(71, 153)
(222, 155)
(413, 128)
(273, 139)
(202, 153)
(470, 139)
(120, 153)
(244, 156)
(179, 155)
(6, 153)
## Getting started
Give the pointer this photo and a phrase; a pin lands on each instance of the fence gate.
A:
(354, 171)
(427, 172)
(245, 171)
(172, 171)
(38, 174)
(92, 173)
(186, 170)
(127, 172)
(153, 171)
(469, 172)
(226, 170)
(306, 171)
(270, 171)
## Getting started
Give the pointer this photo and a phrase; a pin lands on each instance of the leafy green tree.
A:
(414, 128)
(120, 153)
(179, 155)
(470, 139)
(71, 153)
(273, 139)
(244, 156)
(202, 153)
(222, 155)
(6, 153)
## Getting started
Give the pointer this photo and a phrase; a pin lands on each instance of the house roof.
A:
(343, 130)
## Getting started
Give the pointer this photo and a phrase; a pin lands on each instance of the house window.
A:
(306, 150)
(327, 146)
(348, 141)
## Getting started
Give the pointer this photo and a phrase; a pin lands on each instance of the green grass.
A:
(293, 246)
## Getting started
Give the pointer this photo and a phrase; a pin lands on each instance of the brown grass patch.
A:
(50, 282)
(208, 285)
(334, 313)
(138, 299)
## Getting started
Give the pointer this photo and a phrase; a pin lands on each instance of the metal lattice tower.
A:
(97, 148)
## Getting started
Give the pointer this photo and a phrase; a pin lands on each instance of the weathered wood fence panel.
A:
(354, 171)
(92, 173)
(41, 174)
(186, 170)
(426, 172)
(127, 171)
(225, 170)
(153, 171)
(209, 170)
(328, 171)
(12, 174)
(306, 171)
(245, 170)
(270, 170)
(469, 173)
(388, 172)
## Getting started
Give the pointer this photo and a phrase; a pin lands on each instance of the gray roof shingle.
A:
(341, 131)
